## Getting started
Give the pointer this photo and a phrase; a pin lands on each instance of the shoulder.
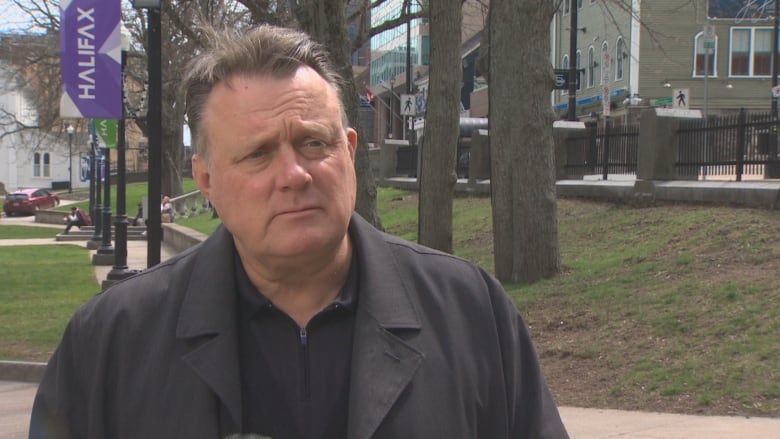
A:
(151, 297)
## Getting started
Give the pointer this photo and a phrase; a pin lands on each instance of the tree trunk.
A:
(439, 149)
(525, 225)
(324, 21)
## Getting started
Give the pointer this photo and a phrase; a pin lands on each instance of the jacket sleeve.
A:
(65, 406)
(532, 411)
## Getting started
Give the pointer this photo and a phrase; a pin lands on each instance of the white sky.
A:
(13, 19)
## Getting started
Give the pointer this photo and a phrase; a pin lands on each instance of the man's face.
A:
(280, 170)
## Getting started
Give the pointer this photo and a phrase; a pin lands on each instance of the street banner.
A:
(106, 130)
(90, 57)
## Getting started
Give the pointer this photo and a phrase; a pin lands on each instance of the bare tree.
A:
(438, 151)
(325, 21)
(525, 225)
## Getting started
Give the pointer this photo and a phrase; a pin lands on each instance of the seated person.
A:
(76, 217)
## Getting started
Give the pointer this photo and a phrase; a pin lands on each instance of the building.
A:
(656, 53)
(30, 157)
(36, 147)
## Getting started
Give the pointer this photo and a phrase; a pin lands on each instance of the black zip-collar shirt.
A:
(295, 381)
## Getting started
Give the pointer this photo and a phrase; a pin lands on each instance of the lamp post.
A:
(392, 106)
(154, 128)
(120, 269)
(70, 130)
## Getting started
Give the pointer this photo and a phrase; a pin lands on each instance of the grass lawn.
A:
(42, 286)
(27, 232)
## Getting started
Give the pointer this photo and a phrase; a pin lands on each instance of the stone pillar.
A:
(479, 164)
(658, 144)
(388, 158)
(563, 130)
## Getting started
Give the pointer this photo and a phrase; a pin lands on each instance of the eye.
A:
(257, 154)
(313, 144)
(314, 148)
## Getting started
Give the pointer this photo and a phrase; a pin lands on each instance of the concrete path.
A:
(16, 402)
(16, 398)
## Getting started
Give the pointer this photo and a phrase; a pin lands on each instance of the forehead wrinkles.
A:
(268, 97)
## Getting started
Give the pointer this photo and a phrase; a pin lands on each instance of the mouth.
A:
(296, 212)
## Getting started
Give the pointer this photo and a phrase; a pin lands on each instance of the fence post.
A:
(741, 130)
(605, 141)
(591, 156)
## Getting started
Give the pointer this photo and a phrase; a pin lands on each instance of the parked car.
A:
(29, 200)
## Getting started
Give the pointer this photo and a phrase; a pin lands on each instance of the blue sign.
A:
(90, 58)
(86, 169)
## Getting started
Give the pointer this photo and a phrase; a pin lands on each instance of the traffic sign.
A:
(681, 98)
(408, 105)
(562, 79)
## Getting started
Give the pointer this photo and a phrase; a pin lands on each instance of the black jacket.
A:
(439, 351)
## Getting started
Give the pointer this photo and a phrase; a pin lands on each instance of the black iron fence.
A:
(736, 145)
(603, 149)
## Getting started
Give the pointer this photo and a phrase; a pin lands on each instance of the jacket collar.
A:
(382, 363)
(208, 319)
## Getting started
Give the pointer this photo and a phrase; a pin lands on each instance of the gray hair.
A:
(263, 50)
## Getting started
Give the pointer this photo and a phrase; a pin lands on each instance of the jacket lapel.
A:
(208, 321)
(383, 364)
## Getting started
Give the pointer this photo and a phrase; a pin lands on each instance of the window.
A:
(604, 72)
(579, 65)
(700, 57)
(37, 164)
(46, 165)
(565, 66)
(591, 67)
(579, 4)
(566, 6)
(620, 51)
(750, 51)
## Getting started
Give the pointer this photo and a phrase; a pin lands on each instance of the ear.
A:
(352, 142)
(200, 173)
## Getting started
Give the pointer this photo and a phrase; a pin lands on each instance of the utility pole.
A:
(572, 61)
(774, 58)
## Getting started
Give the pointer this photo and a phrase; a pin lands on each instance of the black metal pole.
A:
(70, 160)
(572, 61)
(407, 128)
(92, 159)
(105, 247)
(605, 141)
(773, 143)
(120, 271)
(154, 127)
(97, 233)
(774, 57)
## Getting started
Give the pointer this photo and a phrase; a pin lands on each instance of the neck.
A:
(301, 288)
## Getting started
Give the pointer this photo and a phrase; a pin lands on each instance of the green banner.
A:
(106, 129)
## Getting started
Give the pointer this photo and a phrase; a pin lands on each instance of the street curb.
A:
(24, 371)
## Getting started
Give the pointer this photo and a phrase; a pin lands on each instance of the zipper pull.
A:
(303, 336)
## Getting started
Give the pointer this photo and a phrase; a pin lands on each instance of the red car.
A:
(28, 201)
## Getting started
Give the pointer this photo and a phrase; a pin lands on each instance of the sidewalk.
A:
(582, 423)
(16, 402)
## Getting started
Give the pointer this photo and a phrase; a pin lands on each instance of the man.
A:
(76, 217)
(296, 319)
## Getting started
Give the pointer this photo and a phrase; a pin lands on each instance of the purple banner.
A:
(90, 54)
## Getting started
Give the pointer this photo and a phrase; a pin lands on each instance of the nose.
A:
(291, 169)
